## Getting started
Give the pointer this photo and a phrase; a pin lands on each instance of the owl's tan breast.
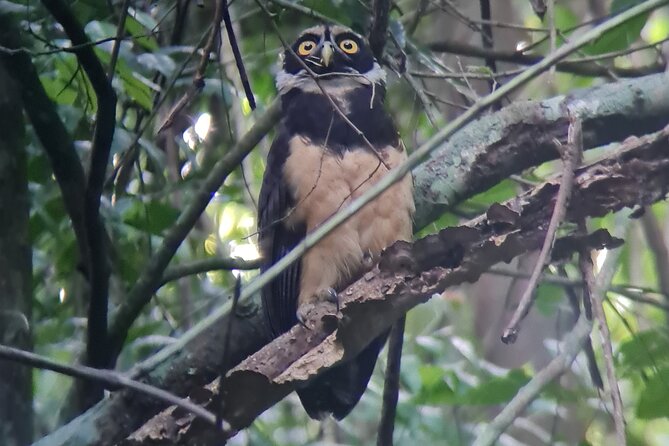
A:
(322, 183)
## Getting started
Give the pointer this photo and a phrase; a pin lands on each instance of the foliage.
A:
(455, 373)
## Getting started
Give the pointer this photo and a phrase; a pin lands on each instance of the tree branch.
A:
(206, 265)
(522, 135)
(581, 68)
(109, 379)
(97, 266)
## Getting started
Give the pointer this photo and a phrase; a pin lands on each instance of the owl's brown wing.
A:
(276, 239)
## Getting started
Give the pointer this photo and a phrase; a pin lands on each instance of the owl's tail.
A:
(338, 390)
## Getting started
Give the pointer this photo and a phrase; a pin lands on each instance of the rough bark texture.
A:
(16, 413)
(633, 176)
(521, 136)
(629, 108)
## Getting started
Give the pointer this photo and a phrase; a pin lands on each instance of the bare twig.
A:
(571, 157)
(198, 78)
(206, 265)
(585, 68)
(391, 385)
(110, 379)
(226, 348)
(597, 303)
(238, 55)
(552, 33)
(630, 292)
(575, 305)
(657, 244)
(120, 32)
(571, 346)
(379, 26)
(488, 43)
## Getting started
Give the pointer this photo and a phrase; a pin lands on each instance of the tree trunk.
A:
(16, 414)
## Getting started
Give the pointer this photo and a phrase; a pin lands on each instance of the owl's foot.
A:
(327, 297)
(367, 261)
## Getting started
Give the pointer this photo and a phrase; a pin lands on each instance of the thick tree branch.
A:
(521, 136)
(410, 274)
(50, 130)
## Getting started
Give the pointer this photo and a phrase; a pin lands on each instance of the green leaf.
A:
(646, 349)
(153, 217)
(549, 298)
(158, 62)
(654, 398)
(622, 35)
(58, 91)
(140, 32)
(496, 390)
(434, 389)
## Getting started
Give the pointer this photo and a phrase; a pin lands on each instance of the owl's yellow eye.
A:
(306, 47)
(348, 46)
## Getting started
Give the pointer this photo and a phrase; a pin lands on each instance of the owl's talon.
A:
(301, 317)
(367, 261)
(327, 297)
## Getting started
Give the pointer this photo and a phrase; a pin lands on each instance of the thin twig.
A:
(206, 265)
(487, 41)
(391, 385)
(585, 68)
(226, 348)
(238, 56)
(630, 292)
(658, 246)
(378, 29)
(110, 379)
(198, 78)
(571, 158)
(596, 301)
(552, 33)
(120, 32)
(575, 305)
(571, 346)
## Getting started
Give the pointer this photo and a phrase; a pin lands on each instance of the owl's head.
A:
(332, 53)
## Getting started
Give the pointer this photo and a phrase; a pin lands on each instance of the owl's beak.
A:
(326, 54)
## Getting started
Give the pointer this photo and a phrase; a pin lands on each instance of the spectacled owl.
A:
(323, 158)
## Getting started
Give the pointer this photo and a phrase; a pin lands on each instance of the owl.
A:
(335, 140)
